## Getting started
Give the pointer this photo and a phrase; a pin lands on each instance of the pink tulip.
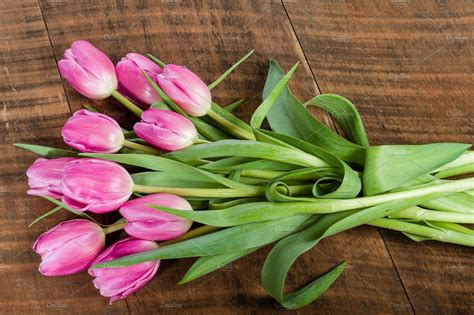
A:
(132, 80)
(88, 131)
(88, 70)
(44, 177)
(96, 185)
(69, 247)
(165, 129)
(118, 283)
(186, 89)
(150, 224)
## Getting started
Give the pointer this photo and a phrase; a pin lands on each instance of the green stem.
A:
(247, 191)
(127, 103)
(455, 171)
(140, 147)
(229, 126)
(253, 191)
(417, 213)
(156, 60)
(264, 174)
(465, 158)
(114, 227)
(445, 186)
(464, 164)
(320, 206)
(454, 227)
(432, 233)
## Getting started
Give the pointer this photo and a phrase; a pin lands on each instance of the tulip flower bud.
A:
(93, 132)
(88, 70)
(44, 177)
(69, 247)
(186, 89)
(150, 224)
(131, 79)
(118, 283)
(165, 129)
(95, 185)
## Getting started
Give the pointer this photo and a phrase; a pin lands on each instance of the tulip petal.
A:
(88, 70)
(87, 131)
(150, 224)
(96, 185)
(132, 80)
(69, 247)
(118, 283)
(44, 177)
(186, 89)
(165, 129)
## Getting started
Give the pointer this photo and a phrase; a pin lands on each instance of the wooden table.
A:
(407, 65)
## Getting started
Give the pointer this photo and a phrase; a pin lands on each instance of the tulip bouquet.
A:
(193, 180)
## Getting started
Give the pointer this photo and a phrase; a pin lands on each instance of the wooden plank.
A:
(34, 107)
(407, 66)
(208, 37)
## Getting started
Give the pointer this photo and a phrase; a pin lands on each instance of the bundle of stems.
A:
(294, 184)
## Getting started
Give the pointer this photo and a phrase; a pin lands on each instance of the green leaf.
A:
(230, 240)
(158, 163)
(456, 171)
(246, 148)
(313, 290)
(262, 110)
(229, 71)
(45, 215)
(169, 179)
(421, 214)
(349, 184)
(222, 203)
(462, 165)
(289, 117)
(207, 264)
(390, 166)
(78, 213)
(286, 251)
(424, 232)
(245, 163)
(417, 238)
(453, 227)
(458, 202)
(208, 131)
(230, 117)
(234, 105)
(346, 115)
(47, 152)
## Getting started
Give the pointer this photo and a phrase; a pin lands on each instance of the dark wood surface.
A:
(407, 66)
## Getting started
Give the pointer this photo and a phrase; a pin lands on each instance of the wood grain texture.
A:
(34, 107)
(208, 37)
(384, 57)
(407, 66)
